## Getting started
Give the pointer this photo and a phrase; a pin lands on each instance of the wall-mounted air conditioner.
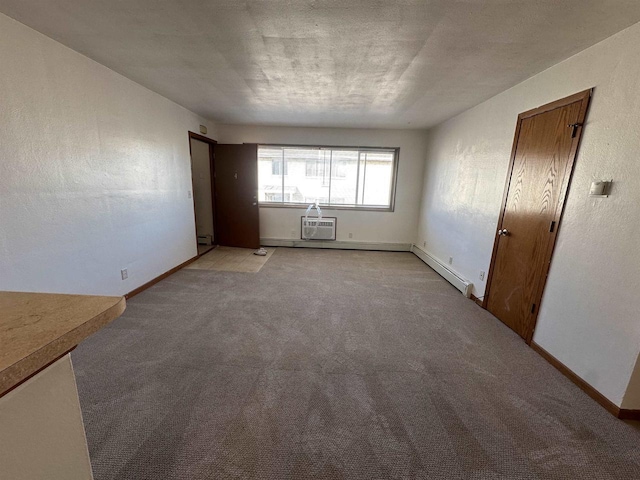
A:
(314, 229)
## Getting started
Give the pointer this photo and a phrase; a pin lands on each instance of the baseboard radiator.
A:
(444, 271)
(337, 244)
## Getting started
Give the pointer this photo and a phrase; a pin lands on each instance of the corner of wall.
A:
(631, 398)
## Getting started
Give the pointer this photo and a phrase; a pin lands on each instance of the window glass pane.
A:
(307, 178)
(277, 167)
(310, 168)
(331, 176)
(269, 174)
(379, 174)
(344, 183)
(338, 168)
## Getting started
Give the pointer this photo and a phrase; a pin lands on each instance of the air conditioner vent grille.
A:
(312, 229)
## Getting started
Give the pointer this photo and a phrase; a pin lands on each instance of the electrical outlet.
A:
(124, 274)
(350, 235)
(424, 244)
(450, 260)
(481, 275)
(293, 234)
(189, 194)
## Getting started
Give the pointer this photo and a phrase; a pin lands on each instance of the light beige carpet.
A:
(231, 259)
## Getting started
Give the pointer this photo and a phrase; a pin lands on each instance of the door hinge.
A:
(533, 308)
(575, 129)
(552, 227)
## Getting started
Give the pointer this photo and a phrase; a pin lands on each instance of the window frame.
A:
(363, 208)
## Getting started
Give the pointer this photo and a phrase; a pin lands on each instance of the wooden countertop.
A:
(38, 328)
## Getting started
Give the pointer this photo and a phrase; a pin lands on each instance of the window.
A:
(277, 197)
(316, 168)
(333, 176)
(276, 167)
(339, 169)
(273, 159)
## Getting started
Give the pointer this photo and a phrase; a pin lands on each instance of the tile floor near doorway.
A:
(202, 249)
(332, 364)
(231, 259)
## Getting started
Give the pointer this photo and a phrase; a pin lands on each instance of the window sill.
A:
(325, 207)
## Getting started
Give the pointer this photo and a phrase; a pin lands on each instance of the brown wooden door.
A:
(542, 161)
(236, 190)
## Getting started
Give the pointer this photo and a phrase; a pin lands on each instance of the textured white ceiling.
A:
(347, 63)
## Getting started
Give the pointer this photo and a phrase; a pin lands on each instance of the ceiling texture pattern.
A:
(332, 63)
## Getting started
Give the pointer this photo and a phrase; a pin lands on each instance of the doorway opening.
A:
(225, 193)
(544, 151)
(203, 189)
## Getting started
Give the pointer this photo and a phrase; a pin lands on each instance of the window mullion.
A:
(330, 174)
(282, 173)
(364, 176)
(357, 178)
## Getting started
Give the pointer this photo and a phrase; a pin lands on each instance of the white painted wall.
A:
(366, 226)
(589, 314)
(201, 177)
(94, 172)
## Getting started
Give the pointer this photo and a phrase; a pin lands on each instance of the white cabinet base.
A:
(41, 430)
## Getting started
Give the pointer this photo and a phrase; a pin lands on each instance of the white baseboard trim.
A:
(341, 245)
(444, 271)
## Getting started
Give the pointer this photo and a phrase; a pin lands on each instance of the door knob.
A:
(504, 232)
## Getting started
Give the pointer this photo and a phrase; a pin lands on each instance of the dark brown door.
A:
(236, 187)
(542, 161)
